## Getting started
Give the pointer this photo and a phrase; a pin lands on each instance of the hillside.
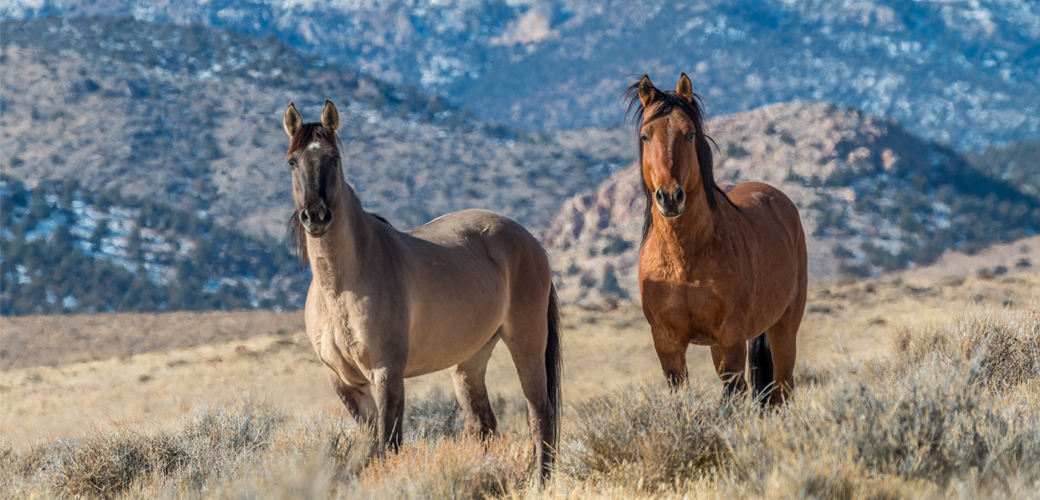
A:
(1017, 163)
(964, 73)
(190, 117)
(873, 198)
(65, 249)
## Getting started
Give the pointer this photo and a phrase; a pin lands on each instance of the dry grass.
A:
(951, 410)
(603, 351)
(60, 340)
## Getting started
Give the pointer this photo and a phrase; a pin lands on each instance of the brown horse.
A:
(716, 268)
(384, 305)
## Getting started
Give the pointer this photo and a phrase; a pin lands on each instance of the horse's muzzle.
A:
(316, 221)
(670, 204)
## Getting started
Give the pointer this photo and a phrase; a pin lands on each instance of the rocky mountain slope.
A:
(65, 249)
(191, 117)
(188, 119)
(873, 198)
(961, 72)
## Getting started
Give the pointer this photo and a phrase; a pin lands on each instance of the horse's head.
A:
(674, 150)
(314, 159)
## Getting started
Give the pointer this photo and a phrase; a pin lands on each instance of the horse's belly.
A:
(446, 336)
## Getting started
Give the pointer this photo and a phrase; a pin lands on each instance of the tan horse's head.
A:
(674, 150)
(314, 159)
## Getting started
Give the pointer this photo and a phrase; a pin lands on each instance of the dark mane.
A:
(307, 134)
(669, 101)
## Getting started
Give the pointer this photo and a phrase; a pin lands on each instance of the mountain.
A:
(66, 249)
(964, 73)
(191, 117)
(179, 127)
(1017, 163)
(873, 198)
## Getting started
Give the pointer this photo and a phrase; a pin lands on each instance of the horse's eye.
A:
(690, 136)
(645, 138)
(292, 163)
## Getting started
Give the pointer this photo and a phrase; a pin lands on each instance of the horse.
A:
(384, 305)
(717, 267)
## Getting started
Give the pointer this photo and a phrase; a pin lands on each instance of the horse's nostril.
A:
(659, 196)
(305, 217)
(680, 195)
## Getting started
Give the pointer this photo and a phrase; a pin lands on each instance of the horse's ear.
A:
(330, 117)
(647, 91)
(293, 121)
(685, 88)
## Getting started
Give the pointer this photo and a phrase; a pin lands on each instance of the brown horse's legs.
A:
(388, 390)
(471, 391)
(527, 348)
(673, 364)
(672, 355)
(729, 364)
(782, 341)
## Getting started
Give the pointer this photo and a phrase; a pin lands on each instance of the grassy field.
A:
(907, 389)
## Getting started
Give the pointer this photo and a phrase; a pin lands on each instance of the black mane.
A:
(668, 101)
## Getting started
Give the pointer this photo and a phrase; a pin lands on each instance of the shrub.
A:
(951, 412)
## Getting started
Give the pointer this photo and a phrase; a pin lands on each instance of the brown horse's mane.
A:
(670, 100)
(307, 134)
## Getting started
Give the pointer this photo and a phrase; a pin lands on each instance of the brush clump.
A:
(953, 412)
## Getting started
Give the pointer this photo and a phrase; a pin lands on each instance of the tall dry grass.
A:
(953, 412)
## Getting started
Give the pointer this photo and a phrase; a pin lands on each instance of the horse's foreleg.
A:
(672, 355)
(471, 391)
(357, 400)
(388, 391)
(729, 365)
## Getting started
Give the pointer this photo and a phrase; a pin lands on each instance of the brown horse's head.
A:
(314, 159)
(674, 150)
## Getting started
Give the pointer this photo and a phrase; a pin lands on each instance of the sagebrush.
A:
(953, 412)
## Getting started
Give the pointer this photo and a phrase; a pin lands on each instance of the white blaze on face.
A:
(314, 145)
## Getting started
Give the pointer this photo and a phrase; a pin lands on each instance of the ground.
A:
(54, 393)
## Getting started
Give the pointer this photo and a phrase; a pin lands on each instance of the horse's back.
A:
(473, 264)
(767, 206)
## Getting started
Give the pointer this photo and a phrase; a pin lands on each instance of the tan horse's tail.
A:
(760, 365)
(554, 364)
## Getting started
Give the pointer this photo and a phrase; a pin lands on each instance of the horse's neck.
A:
(338, 258)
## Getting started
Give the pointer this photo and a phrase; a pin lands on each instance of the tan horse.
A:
(714, 269)
(384, 305)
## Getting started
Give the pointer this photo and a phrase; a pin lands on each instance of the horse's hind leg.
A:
(471, 391)
(527, 342)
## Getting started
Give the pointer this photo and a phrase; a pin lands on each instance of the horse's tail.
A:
(760, 365)
(554, 363)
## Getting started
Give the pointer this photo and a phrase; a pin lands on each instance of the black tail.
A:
(760, 367)
(554, 364)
